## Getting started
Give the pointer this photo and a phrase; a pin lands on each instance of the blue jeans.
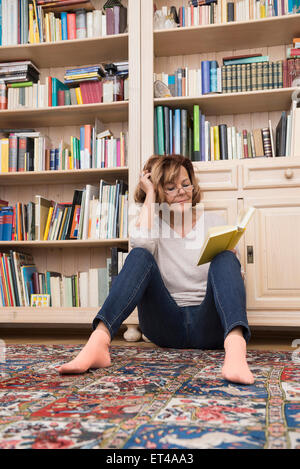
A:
(161, 320)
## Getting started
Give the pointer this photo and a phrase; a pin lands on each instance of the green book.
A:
(196, 150)
(246, 60)
(21, 84)
(160, 130)
(56, 86)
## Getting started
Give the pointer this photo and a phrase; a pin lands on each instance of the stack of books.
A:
(22, 285)
(19, 72)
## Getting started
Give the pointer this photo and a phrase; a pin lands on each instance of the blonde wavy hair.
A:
(165, 169)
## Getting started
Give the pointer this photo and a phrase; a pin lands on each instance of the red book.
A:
(291, 71)
(110, 21)
(285, 73)
(8, 280)
(99, 92)
(61, 98)
(49, 91)
(92, 86)
(295, 51)
(3, 279)
(84, 92)
(245, 142)
(87, 144)
(71, 25)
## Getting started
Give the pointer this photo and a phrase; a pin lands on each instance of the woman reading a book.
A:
(180, 304)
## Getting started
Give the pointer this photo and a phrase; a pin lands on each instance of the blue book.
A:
(205, 76)
(64, 26)
(275, 8)
(6, 214)
(26, 272)
(56, 158)
(213, 76)
(52, 159)
(290, 6)
(177, 131)
(82, 147)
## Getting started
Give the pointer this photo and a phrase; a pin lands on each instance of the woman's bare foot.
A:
(235, 368)
(95, 354)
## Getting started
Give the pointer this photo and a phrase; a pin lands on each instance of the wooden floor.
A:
(261, 340)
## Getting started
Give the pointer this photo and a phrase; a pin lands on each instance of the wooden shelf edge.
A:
(64, 244)
(71, 52)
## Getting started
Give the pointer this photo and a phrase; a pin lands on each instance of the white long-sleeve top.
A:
(177, 257)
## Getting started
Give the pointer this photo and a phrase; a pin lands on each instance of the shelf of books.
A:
(67, 156)
(224, 81)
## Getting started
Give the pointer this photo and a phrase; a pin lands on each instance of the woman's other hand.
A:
(145, 182)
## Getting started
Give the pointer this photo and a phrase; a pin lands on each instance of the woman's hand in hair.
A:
(145, 182)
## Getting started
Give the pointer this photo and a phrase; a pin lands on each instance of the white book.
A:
(84, 289)
(97, 23)
(212, 147)
(252, 145)
(91, 192)
(55, 286)
(103, 25)
(89, 23)
(93, 288)
(234, 144)
(272, 138)
(206, 143)
(219, 80)
(288, 135)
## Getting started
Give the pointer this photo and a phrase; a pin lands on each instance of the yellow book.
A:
(78, 96)
(31, 28)
(37, 34)
(47, 27)
(48, 223)
(222, 238)
(4, 155)
(216, 143)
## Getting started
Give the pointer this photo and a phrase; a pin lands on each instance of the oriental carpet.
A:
(148, 398)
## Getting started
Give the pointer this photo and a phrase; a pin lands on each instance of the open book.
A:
(221, 238)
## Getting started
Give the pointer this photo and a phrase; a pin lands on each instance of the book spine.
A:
(205, 76)
(81, 29)
(71, 25)
(266, 142)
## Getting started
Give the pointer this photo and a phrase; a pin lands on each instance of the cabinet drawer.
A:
(283, 175)
(217, 178)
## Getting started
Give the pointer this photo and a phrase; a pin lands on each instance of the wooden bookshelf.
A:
(65, 115)
(64, 176)
(233, 103)
(60, 123)
(71, 52)
(271, 185)
(225, 36)
(77, 243)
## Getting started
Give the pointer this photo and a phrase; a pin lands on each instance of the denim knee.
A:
(142, 253)
(224, 255)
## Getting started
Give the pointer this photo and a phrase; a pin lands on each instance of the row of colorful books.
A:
(223, 11)
(55, 93)
(96, 212)
(211, 78)
(177, 132)
(22, 285)
(26, 21)
(22, 151)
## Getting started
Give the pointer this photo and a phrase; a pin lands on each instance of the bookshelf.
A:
(72, 256)
(271, 185)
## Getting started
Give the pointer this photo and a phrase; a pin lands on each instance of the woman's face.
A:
(180, 193)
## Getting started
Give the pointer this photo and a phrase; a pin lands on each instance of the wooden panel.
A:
(219, 37)
(279, 172)
(273, 279)
(64, 115)
(47, 315)
(233, 103)
(217, 176)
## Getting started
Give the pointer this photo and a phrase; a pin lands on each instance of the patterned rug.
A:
(148, 398)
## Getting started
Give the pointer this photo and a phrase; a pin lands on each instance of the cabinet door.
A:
(273, 275)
